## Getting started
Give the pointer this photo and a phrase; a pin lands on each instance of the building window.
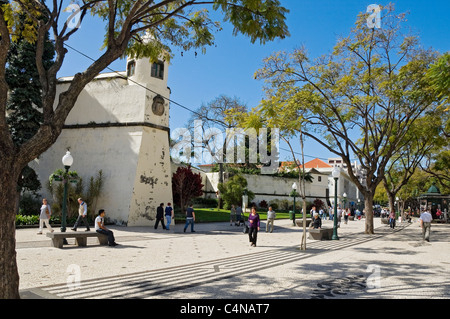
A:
(131, 68)
(158, 70)
(319, 178)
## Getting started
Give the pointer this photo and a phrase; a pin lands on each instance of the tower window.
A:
(158, 70)
(131, 68)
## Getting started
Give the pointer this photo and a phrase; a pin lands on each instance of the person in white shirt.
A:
(100, 228)
(44, 217)
(270, 219)
(425, 222)
(82, 215)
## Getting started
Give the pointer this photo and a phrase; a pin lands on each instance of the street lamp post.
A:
(335, 174)
(67, 161)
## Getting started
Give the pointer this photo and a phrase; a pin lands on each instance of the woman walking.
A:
(392, 219)
(253, 220)
(44, 217)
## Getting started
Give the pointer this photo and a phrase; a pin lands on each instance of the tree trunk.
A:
(368, 202)
(9, 275)
(391, 198)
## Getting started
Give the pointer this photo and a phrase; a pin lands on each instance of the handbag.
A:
(245, 229)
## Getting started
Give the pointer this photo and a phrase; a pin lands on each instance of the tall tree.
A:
(169, 23)
(186, 185)
(213, 116)
(358, 101)
(438, 160)
(289, 122)
(24, 105)
(421, 138)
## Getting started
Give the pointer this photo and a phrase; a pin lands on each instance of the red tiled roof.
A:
(315, 163)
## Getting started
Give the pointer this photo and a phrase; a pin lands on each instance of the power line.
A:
(168, 99)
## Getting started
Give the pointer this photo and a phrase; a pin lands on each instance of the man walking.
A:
(169, 215)
(270, 219)
(190, 218)
(82, 215)
(160, 216)
(425, 223)
(238, 215)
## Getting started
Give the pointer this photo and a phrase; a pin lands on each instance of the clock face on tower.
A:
(158, 105)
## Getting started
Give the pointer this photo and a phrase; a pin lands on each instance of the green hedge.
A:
(22, 220)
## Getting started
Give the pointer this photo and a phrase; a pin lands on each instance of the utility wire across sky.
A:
(170, 100)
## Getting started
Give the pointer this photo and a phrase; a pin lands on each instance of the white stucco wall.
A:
(153, 178)
(112, 127)
(113, 150)
(268, 187)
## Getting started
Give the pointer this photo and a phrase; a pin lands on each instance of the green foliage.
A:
(231, 191)
(75, 190)
(27, 219)
(439, 76)
(188, 24)
(24, 98)
(29, 205)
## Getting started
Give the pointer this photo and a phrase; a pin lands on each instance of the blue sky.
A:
(229, 67)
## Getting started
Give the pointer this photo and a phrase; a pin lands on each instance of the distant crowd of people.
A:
(236, 217)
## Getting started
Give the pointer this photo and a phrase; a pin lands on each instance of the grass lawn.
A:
(207, 215)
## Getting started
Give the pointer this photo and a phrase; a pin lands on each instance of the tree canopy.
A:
(133, 27)
(359, 101)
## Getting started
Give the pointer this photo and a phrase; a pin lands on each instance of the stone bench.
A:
(385, 220)
(80, 238)
(320, 233)
(299, 222)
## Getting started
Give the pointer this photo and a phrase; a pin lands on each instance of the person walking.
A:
(160, 216)
(190, 218)
(232, 215)
(425, 222)
(100, 228)
(238, 215)
(346, 213)
(392, 219)
(322, 214)
(254, 223)
(339, 216)
(169, 213)
(44, 217)
(270, 219)
(82, 215)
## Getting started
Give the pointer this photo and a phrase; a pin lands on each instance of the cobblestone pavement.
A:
(217, 262)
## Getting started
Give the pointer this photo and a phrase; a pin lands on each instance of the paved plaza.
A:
(217, 262)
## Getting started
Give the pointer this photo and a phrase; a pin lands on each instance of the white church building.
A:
(120, 125)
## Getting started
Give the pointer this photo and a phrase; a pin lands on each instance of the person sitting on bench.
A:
(100, 228)
(316, 223)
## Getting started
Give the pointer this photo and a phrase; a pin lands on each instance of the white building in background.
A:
(120, 124)
(345, 184)
(267, 187)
